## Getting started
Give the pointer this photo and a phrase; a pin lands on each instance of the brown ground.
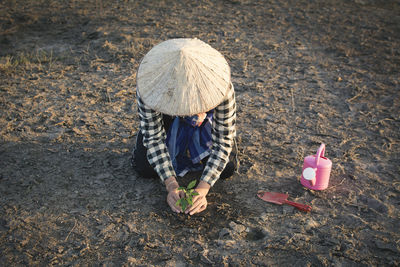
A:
(305, 72)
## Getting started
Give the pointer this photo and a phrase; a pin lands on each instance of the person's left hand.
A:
(199, 201)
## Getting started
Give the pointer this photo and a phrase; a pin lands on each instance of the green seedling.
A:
(189, 194)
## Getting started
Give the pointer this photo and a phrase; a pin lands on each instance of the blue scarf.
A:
(188, 144)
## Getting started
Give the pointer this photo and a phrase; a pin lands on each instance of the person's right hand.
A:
(173, 194)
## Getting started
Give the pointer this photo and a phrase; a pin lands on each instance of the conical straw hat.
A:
(183, 77)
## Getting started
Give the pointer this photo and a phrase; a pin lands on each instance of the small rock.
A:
(353, 221)
(226, 243)
(175, 263)
(132, 227)
(264, 217)
(24, 242)
(386, 246)
(141, 242)
(204, 257)
(119, 236)
(192, 254)
(224, 233)
(238, 228)
(286, 209)
(106, 228)
(311, 224)
(361, 2)
(132, 260)
(256, 234)
(377, 205)
(271, 208)
(3, 223)
(103, 176)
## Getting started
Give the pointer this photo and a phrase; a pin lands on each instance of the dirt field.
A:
(305, 72)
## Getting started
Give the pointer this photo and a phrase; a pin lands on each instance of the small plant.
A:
(189, 194)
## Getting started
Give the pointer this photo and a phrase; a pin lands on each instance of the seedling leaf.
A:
(191, 184)
(189, 193)
(184, 204)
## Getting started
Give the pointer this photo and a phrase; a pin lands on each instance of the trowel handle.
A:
(320, 153)
(299, 206)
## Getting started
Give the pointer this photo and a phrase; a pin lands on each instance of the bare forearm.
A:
(203, 188)
(171, 183)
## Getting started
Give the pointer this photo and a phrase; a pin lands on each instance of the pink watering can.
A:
(316, 170)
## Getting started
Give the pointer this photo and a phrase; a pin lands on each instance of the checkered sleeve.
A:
(151, 126)
(223, 134)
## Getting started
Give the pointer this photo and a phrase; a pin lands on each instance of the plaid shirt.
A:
(223, 134)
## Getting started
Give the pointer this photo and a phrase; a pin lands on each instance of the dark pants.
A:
(143, 167)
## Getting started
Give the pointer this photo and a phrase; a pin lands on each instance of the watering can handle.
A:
(320, 153)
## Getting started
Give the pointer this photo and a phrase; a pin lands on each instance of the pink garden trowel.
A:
(280, 198)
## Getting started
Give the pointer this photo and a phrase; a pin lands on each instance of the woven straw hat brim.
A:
(183, 77)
